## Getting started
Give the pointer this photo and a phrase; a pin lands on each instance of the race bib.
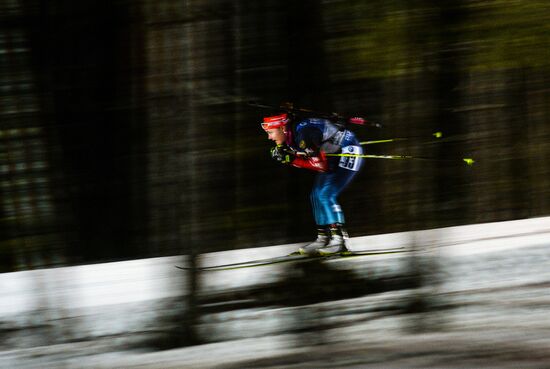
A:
(351, 162)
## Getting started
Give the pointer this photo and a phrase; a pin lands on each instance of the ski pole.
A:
(436, 135)
(468, 161)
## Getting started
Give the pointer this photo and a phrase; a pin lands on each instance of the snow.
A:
(495, 277)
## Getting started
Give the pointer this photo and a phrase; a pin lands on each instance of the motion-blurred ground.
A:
(486, 304)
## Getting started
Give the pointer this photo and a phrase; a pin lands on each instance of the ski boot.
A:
(337, 243)
(323, 238)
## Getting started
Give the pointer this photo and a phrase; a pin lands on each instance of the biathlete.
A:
(303, 144)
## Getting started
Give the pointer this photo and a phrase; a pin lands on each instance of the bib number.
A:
(351, 162)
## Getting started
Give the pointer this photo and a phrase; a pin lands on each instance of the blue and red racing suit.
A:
(312, 138)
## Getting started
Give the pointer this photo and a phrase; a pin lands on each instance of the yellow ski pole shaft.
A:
(374, 142)
(468, 161)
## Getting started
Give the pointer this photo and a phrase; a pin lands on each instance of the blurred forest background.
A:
(125, 133)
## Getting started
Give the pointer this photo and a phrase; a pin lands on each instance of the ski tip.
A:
(469, 161)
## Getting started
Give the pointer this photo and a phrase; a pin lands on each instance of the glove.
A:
(282, 153)
(276, 153)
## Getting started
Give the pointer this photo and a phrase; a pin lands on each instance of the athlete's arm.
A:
(317, 163)
(311, 157)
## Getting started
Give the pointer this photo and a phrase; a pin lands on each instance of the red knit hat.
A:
(275, 121)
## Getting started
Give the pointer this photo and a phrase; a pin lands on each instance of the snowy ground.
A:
(490, 288)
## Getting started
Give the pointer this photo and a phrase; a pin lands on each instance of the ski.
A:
(295, 256)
